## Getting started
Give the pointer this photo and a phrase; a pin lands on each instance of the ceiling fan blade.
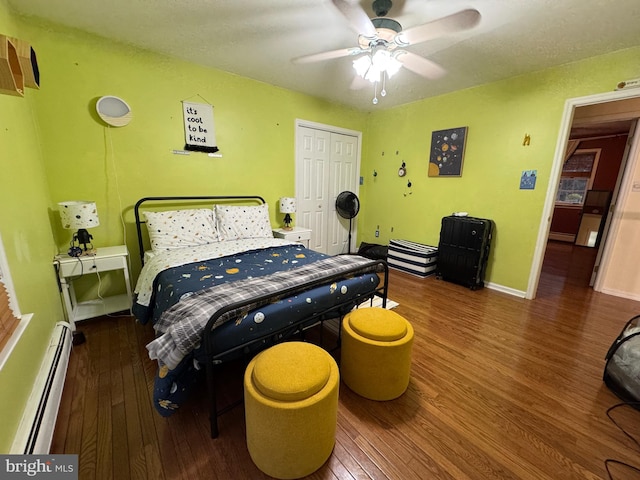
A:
(420, 65)
(356, 16)
(457, 22)
(319, 57)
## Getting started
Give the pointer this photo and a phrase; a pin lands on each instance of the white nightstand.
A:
(298, 234)
(106, 259)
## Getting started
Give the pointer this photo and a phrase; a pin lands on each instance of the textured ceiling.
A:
(258, 39)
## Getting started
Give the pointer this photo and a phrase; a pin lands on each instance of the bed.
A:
(217, 286)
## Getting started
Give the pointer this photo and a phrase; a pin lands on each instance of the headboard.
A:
(175, 203)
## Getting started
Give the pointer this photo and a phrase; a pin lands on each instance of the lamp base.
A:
(287, 222)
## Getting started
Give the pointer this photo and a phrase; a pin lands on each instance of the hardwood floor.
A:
(501, 388)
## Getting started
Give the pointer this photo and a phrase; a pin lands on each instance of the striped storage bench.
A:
(412, 257)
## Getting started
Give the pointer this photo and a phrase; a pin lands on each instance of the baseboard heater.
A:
(35, 432)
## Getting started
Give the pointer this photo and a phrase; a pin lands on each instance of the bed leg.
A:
(386, 286)
(213, 407)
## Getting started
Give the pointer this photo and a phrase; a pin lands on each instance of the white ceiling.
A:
(258, 38)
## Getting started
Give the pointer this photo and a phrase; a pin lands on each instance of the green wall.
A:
(116, 166)
(498, 116)
(28, 242)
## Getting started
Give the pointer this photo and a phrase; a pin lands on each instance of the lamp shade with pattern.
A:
(287, 206)
(79, 215)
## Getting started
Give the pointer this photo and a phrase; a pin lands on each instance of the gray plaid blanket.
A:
(181, 326)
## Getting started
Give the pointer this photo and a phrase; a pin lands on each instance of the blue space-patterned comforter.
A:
(179, 282)
(174, 286)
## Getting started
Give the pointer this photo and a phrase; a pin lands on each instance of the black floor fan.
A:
(348, 206)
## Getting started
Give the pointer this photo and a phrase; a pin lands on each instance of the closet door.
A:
(343, 177)
(312, 184)
(327, 163)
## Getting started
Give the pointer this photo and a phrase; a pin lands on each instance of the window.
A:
(8, 321)
(577, 176)
(9, 313)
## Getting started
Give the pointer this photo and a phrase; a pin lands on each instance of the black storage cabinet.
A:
(464, 249)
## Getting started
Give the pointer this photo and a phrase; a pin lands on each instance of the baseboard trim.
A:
(507, 290)
(618, 293)
(35, 431)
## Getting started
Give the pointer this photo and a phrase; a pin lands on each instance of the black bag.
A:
(622, 370)
(373, 251)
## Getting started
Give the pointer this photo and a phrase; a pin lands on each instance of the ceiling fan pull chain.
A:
(383, 92)
(375, 93)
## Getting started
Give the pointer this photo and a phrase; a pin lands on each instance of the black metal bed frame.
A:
(183, 201)
(212, 358)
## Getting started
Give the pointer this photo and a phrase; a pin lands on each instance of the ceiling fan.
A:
(382, 41)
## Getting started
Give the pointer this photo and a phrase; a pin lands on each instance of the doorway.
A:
(571, 106)
(591, 175)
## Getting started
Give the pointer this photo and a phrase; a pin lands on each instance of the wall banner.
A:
(199, 131)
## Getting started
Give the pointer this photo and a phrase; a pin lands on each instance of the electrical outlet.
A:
(377, 233)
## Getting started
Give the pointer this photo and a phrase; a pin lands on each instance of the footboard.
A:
(215, 357)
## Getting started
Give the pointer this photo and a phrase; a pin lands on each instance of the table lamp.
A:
(79, 215)
(287, 206)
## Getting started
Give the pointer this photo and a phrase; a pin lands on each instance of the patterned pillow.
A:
(236, 222)
(181, 228)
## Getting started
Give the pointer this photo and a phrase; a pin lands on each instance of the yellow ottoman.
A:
(291, 409)
(376, 353)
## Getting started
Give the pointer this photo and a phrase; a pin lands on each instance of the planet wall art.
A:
(447, 152)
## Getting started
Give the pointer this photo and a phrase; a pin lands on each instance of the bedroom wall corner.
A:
(28, 242)
(498, 115)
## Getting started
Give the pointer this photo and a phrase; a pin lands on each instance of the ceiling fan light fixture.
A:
(376, 66)
(388, 64)
(362, 65)
(373, 65)
(366, 67)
